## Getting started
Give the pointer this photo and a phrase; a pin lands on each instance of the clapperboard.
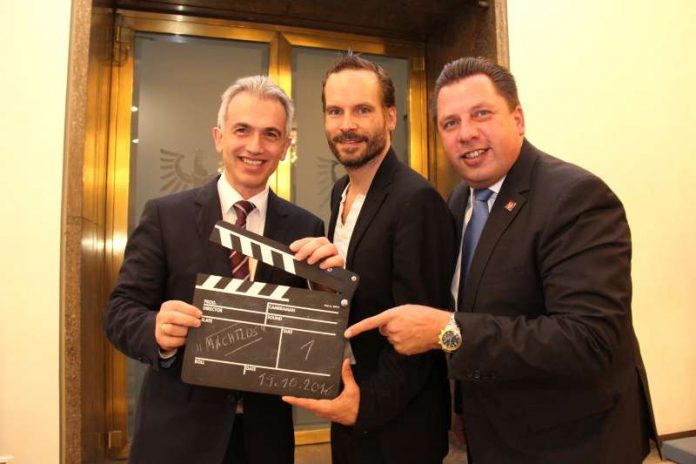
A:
(269, 338)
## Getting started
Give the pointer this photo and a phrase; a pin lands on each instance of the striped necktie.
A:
(240, 262)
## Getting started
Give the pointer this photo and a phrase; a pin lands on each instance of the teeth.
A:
(253, 162)
(473, 154)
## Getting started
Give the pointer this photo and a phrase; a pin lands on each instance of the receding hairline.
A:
(355, 62)
(260, 95)
(261, 86)
(375, 78)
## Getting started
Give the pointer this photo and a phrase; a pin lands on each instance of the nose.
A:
(347, 123)
(253, 145)
(467, 131)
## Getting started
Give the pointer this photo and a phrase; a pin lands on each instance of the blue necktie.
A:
(479, 215)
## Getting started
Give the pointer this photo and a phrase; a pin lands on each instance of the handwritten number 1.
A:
(309, 346)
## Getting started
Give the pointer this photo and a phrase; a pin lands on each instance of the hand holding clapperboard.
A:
(269, 338)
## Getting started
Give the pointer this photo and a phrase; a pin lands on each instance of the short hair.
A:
(262, 87)
(355, 62)
(462, 68)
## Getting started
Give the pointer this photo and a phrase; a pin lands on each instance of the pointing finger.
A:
(370, 323)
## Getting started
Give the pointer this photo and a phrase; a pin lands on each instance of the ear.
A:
(518, 115)
(217, 138)
(391, 118)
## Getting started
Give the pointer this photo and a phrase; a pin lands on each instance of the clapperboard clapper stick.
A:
(269, 338)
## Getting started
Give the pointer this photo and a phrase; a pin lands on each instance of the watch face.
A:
(451, 340)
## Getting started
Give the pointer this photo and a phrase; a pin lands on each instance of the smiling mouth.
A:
(474, 154)
(250, 161)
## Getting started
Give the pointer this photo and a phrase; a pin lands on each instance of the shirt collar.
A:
(229, 196)
(345, 194)
(495, 188)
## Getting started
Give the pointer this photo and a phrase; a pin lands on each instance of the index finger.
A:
(297, 244)
(181, 319)
(370, 323)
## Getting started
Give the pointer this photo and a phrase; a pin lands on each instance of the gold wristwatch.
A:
(450, 338)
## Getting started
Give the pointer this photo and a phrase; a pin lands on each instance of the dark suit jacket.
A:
(176, 422)
(401, 248)
(550, 367)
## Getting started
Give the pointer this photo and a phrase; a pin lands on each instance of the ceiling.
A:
(400, 19)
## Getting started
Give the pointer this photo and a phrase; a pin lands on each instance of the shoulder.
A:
(408, 183)
(295, 212)
(554, 174)
(563, 191)
(552, 166)
(179, 199)
(171, 207)
(414, 198)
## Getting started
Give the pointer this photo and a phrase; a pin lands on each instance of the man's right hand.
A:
(411, 329)
(173, 322)
(458, 429)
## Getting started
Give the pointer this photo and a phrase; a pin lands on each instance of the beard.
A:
(375, 146)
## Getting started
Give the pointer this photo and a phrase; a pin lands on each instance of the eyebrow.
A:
(334, 105)
(480, 105)
(246, 125)
(447, 117)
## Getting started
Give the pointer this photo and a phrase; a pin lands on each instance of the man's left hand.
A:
(343, 409)
(317, 250)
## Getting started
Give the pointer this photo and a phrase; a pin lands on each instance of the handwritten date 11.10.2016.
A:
(294, 382)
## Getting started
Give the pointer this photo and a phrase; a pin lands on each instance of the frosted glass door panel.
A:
(177, 85)
(176, 90)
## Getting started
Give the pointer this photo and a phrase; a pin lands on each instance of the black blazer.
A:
(176, 422)
(550, 367)
(402, 248)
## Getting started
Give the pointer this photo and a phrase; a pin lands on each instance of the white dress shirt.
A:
(344, 231)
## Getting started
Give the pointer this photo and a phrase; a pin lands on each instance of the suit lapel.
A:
(510, 201)
(208, 213)
(457, 205)
(376, 195)
(336, 204)
(276, 228)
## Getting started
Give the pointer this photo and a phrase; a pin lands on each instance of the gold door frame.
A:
(280, 39)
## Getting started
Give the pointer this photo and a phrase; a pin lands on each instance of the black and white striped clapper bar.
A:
(269, 338)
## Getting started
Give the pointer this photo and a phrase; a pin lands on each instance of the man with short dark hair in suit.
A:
(396, 232)
(542, 344)
(148, 314)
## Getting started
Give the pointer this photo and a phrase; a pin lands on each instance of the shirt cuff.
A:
(167, 358)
